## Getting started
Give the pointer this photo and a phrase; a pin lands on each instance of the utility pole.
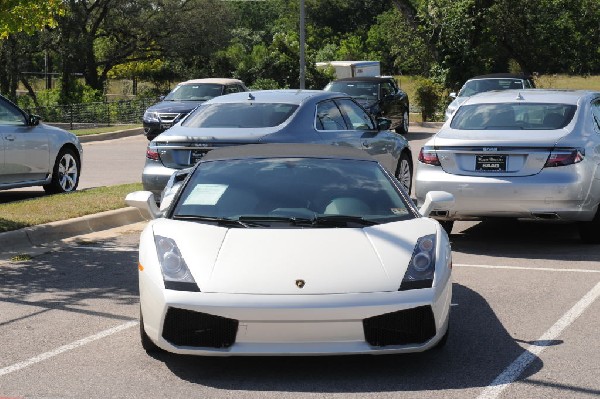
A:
(302, 45)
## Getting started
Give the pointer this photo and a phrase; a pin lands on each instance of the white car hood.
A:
(270, 261)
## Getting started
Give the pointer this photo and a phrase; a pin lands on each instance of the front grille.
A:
(411, 326)
(188, 328)
(167, 117)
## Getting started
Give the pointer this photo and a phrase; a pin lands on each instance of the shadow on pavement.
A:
(523, 239)
(478, 350)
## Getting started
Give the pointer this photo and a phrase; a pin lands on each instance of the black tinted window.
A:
(513, 116)
(240, 115)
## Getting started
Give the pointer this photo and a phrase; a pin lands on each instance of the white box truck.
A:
(350, 69)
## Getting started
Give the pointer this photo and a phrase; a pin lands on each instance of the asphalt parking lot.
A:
(524, 324)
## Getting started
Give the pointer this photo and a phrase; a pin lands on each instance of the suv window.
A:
(233, 89)
(387, 89)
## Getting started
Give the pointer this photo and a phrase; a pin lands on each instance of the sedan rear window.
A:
(513, 116)
(240, 115)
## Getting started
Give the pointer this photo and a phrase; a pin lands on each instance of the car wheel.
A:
(403, 127)
(404, 171)
(65, 174)
(147, 344)
(589, 232)
(447, 225)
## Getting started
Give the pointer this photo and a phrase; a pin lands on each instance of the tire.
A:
(147, 344)
(589, 232)
(65, 173)
(404, 171)
(447, 225)
(403, 127)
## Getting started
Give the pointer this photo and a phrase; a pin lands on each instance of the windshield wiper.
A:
(335, 220)
(220, 221)
(284, 219)
(316, 221)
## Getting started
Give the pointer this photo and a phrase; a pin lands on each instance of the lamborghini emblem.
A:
(300, 283)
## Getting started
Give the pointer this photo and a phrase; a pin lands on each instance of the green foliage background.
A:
(85, 43)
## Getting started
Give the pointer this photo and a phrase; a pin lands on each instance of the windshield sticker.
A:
(205, 194)
(399, 211)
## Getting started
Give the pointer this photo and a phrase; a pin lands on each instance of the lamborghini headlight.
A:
(421, 268)
(175, 271)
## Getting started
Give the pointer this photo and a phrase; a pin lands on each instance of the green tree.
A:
(28, 16)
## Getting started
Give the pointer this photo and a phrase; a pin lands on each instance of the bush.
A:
(428, 95)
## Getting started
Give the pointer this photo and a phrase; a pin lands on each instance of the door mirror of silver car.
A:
(33, 120)
(384, 123)
(436, 201)
(145, 202)
(453, 95)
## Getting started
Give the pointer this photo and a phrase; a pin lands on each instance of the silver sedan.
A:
(34, 154)
(275, 116)
(527, 154)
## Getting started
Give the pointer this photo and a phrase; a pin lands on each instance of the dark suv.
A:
(380, 95)
(182, 99)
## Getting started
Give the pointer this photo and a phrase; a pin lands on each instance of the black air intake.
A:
(188, 328)
(404, 327)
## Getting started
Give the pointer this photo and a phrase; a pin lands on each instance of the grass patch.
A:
(52, 208)
(105, 129)
(21, 258)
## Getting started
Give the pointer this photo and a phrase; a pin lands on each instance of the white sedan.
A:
(280, 249)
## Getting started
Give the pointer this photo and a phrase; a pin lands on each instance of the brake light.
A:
(429, 156)
(565, 156)
(152, 154)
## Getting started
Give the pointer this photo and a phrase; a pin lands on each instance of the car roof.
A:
(374, 79)
(530, 96)
(285, 96)
(286, 151)
(222, 81)
(502, 76)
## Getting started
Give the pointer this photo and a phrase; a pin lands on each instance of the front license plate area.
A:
(490, 163)
(165, 126)
(196, 155)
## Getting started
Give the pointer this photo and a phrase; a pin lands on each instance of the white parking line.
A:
(512, 372)
(542, 269)
(66, 348)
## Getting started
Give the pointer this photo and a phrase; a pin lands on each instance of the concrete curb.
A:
(111, 136)
(51, 232)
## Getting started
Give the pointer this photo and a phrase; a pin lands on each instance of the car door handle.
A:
(9, 137)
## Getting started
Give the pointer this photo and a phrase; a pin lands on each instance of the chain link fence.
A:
(78, 116)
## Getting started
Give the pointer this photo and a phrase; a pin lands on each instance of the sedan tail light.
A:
(428, 156)
(564, 156)
(151, 153)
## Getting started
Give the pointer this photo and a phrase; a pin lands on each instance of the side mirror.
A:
(33, 120)
(436, 200)
(384, 123)
(145, 202)
(172, 187)
(453, 95)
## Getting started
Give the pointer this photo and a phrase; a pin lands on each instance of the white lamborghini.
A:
(280, 249)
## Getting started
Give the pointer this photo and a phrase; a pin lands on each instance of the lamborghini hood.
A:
(279, 261)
